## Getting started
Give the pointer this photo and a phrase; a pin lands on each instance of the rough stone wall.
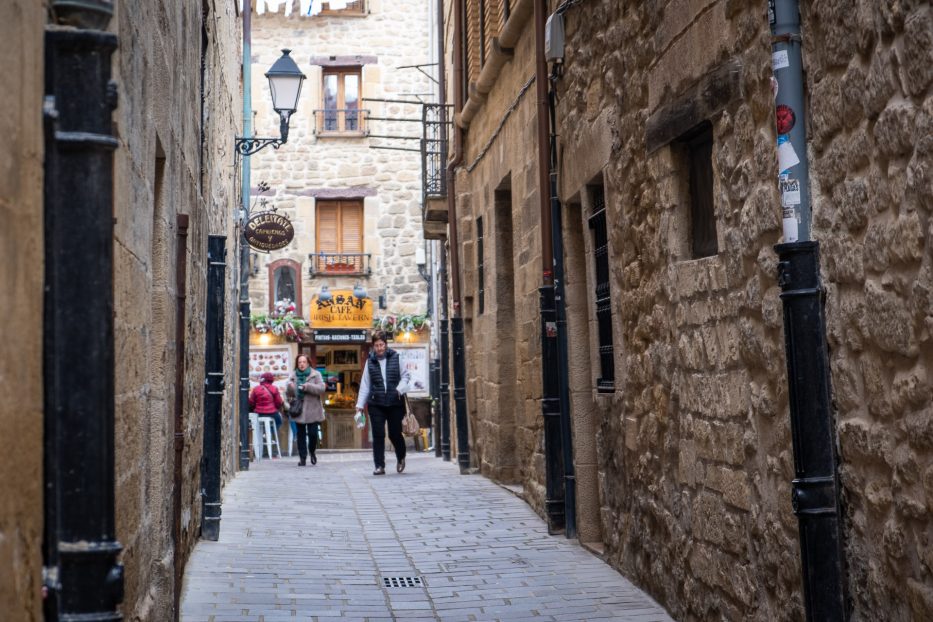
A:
(310, 166)
(695, 451)
(21, 279)
(503, 343)
(163, 170)
(870, 73)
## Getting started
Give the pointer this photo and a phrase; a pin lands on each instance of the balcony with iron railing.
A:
(337, 122)
(340, 264)
(433, 170)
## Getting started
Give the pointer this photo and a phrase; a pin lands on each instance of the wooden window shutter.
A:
(351, 227)
(328, 222)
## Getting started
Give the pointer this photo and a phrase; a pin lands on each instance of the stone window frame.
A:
(341, 71)
(295, 267)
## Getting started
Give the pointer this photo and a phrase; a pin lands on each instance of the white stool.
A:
(271, 435)
(257, 435)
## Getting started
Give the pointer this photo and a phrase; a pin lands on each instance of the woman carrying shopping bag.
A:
(306, 386)
(383, 385)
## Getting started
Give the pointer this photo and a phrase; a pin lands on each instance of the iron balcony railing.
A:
(341, 122)
(348, 264)
(433, 153)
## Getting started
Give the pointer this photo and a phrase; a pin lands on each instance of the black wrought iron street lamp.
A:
(285, 79)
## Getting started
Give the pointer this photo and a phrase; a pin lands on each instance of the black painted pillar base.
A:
(463, 425)
(82, 572)
(815, 486)
(550, 410)
(244, 384)
(445, 390)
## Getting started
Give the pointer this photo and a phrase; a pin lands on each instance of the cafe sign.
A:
(269, 231)
(343, 310)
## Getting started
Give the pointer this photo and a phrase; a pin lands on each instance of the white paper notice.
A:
(779, 60)
(790, 230)
(787, 157)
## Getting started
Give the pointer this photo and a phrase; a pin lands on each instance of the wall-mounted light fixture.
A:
(359, 292)
(325, 295)
(285, 79)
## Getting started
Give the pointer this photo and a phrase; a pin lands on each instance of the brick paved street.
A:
(318, 543)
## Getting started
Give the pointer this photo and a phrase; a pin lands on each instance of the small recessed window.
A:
(698, 146)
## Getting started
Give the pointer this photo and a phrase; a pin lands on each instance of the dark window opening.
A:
(481, 267)
(699, 149)
(605, 383)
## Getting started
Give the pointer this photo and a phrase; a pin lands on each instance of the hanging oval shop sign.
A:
(269, 231)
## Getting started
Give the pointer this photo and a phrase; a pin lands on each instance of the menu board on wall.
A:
(415, 360)
(274, 359)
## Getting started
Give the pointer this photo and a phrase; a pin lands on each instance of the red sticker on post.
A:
(785, 118)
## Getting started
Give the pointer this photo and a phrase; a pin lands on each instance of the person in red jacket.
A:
(265, 400)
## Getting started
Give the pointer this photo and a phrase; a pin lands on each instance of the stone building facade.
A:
(684, 464)
(177, 73)
(331, 162)
(21, 279)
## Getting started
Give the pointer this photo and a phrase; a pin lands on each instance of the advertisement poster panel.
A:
(277, 360)
(415, 360)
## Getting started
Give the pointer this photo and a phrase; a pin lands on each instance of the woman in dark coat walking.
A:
(383, 385)
(307, 385)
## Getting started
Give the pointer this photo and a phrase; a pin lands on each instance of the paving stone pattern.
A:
(318, 543)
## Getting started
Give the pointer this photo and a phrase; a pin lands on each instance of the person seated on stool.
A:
(383, 384)
(265, 400)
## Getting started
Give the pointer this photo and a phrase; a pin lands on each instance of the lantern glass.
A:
(285, 81)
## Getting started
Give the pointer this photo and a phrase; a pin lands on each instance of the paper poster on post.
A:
(415, 360)
(276, 360)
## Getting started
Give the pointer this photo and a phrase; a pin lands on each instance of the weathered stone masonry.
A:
(684, 470)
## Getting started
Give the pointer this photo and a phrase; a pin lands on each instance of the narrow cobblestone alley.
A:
(320, 543)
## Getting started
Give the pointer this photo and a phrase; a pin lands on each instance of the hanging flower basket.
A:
(413, 323)
(282, 322)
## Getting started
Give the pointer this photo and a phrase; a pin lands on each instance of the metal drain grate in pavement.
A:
(402, 582)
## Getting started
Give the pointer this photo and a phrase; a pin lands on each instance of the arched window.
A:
(284, 283)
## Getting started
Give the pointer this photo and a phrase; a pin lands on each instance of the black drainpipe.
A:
(815, 485)
(82, 577)
(566, 428)
(442, 445)
(445, 361)
(555, 499)
(213, 387)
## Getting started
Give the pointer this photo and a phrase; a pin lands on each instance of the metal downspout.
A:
(563, 358)
(443, 445)
(81, 570)
(815, 493)
(459, 353)
(555, 497)
(241, 242)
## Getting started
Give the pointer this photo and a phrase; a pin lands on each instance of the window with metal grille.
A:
(605, 383)
(480, 266)
(699, 147)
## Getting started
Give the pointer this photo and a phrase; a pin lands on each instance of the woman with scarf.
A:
(307, 385)
(381, 389)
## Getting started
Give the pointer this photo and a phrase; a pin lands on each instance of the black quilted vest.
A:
(378, 395)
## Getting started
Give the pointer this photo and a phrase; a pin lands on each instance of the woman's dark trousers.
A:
(305, 430)
(379, 416)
